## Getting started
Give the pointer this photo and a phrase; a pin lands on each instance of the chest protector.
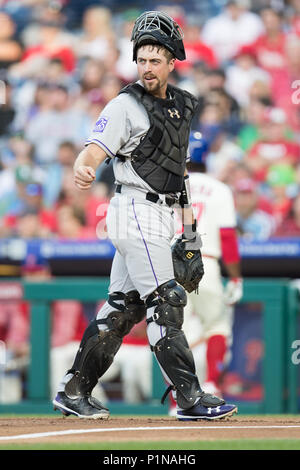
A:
(160, 157)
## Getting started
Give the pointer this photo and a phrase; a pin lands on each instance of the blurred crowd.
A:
(61, 61)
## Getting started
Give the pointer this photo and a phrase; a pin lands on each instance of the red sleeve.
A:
(229, 245)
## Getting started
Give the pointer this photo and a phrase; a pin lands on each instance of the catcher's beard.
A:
(154, 87)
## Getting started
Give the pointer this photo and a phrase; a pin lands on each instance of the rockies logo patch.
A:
(100, 124)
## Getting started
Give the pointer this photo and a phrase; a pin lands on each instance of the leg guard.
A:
(99, 347)
(172, 351)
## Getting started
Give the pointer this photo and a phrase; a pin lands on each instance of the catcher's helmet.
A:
(198, 147)
(160, 28)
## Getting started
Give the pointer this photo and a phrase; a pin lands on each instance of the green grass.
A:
(262, 444)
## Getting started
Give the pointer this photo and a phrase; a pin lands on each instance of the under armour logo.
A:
(174, 112)
(209, 410)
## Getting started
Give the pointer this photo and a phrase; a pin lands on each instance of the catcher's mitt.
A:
(188, 265)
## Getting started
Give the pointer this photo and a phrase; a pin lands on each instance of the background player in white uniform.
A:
(146, 132)
(214, 210)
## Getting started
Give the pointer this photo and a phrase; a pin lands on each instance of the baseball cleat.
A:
(202, 412)
(84, 407)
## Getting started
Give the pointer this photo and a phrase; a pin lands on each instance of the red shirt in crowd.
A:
(196, 51)
(288, 228)
(69, 322)
(14, 322)
(282, 151)
(64, 54)
(271, 56)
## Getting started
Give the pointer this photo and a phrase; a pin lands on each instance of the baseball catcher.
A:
(145, 131)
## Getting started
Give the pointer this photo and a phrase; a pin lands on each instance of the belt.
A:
(170, 201)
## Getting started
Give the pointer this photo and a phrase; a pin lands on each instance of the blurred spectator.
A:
(17, 159)
(110, 87)
(51, 43)
(30, 98)
(255, 116)
(281, 179)
(294, 16)
(15, 162)
(97, 34)
(260, 90)
(71, 224)
(229, 109)
(233, 28)
(195, 49)
(10, 47)
(89, 208)
(7, 109)
(125, 67)
(14, 331)
(254, 119)
(91, 76)
(273, 147)
(290, 226)
(28, 226)
(197, 80)
(58, 122)
(223, 154)
(252, 222)
(66, 155)
(270, 51)
(26, 211)
(25, 194)
(242, 74)
(69, 195)
(214, 93)
(241, 172)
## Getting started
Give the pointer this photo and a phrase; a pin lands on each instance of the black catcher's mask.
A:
(158, 27)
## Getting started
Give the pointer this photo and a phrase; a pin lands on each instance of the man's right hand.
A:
(84, 177)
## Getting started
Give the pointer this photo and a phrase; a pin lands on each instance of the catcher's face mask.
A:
(161, 28)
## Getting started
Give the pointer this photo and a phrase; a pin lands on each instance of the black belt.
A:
(170, 201)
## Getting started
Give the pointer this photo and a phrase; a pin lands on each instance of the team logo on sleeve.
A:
(100, 124)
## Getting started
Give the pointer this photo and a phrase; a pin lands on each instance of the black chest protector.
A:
(160, 157)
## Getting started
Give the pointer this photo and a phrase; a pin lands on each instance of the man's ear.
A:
(172, 64)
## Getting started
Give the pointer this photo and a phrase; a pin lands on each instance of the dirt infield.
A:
(124, 429)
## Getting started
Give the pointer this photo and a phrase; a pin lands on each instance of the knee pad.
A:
(133, 311)
(169, 301)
